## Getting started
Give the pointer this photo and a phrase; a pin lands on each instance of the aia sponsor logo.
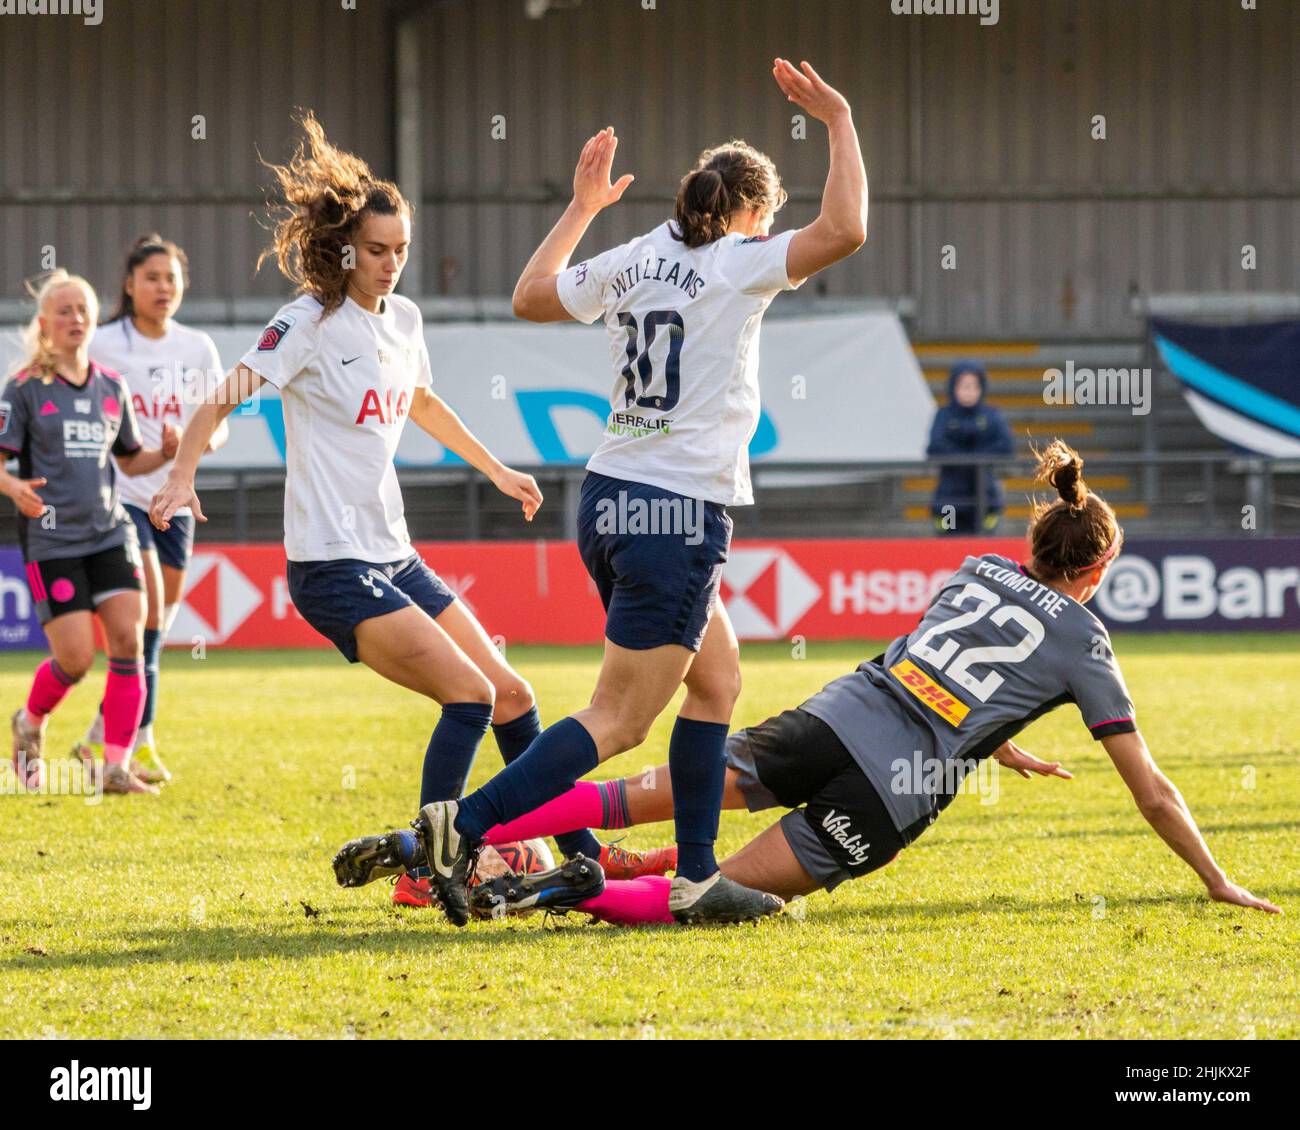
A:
(385, 410)
(149, 408)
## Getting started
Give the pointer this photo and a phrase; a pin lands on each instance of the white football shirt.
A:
(683, 333)
(168, 378)
(346, 383)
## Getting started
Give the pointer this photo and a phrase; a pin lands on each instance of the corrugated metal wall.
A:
(101, 115)
(976, 137)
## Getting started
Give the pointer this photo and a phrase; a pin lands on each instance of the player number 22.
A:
(638, 359)
(959, 670)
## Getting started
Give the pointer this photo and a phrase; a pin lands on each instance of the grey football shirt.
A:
(995, 650)
(69, 434)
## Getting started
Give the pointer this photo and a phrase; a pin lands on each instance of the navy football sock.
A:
(561, 755)
(153, 641)
(451, 750)
(697, 766)
(513, 738)
(450, 754)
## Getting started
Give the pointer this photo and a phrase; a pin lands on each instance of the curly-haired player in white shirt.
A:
(349, 360)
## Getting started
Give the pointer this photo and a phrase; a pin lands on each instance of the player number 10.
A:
(638, 359)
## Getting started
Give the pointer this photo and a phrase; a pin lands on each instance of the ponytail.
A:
(724, 181)
(1078, 531)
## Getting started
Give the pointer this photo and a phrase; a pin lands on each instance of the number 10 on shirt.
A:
(640, 358)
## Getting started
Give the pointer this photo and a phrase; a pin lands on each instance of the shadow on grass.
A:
(1135, 830)
(485, 942)
(1003, 905)
(219, 944)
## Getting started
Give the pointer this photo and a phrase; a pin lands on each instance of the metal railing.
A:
(1181, 492)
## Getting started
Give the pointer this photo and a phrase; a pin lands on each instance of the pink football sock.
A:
(123, 706)
(49, 688)
(632, 902)
(586, 805)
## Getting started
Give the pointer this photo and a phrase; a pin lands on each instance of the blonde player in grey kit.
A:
(70, 424)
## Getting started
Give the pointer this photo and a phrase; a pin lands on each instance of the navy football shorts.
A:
(335, 596)
(656, 558)
(173, 545)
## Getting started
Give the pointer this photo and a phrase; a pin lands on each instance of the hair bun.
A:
(1061, 466)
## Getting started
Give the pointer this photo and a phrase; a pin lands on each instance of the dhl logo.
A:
(950, 709)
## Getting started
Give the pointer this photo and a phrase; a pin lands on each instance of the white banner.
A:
(840, 388)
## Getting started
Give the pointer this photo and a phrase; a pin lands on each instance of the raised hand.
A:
(805, 88)
(591, 185)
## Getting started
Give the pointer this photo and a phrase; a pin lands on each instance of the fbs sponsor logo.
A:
(837, 825)
(952, 710)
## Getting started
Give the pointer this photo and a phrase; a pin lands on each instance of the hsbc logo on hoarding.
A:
(765, 592)
(218, 598)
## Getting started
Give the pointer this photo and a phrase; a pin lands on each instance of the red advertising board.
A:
(538, 592)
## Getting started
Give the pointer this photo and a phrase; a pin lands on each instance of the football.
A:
(523, 857)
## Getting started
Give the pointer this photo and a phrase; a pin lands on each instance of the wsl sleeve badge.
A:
(274, 333)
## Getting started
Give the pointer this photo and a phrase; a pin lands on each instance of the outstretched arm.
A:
(1165, 810)
(841, 228)
(143, 460)
(432, 415)
(536, 298)
(240, 383)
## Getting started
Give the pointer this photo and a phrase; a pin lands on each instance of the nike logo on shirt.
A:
(349, 360)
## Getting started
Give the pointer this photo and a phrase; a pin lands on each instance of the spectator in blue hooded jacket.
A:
(967, 425)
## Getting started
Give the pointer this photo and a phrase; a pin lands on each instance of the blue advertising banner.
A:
(18, 626)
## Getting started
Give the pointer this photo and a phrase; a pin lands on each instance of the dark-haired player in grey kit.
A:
(877, 754)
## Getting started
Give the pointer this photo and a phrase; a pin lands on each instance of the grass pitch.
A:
(211, 911)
